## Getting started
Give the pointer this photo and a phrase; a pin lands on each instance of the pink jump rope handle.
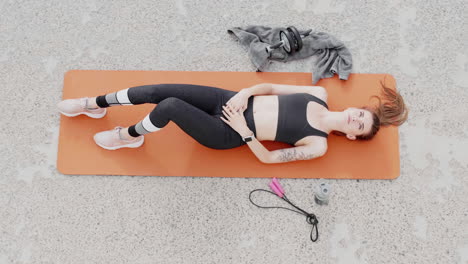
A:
(278, 185)
(276, 190)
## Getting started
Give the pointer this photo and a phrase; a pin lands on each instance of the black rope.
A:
(310, 218)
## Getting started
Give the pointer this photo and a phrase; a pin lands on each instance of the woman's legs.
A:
(195, 109)
(206, 98)
(208, 130)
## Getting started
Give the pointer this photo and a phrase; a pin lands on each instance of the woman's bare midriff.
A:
(265, 113)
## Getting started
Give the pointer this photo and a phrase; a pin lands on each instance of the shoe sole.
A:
(86, 113)
(133, 145)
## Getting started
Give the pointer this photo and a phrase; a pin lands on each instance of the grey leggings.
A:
(195, 109)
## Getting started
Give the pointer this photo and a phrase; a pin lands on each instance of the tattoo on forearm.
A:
(292, 154)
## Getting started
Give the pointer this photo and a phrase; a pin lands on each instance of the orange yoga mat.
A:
(171, 152)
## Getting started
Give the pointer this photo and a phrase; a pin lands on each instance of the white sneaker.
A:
(111, 140)
(79, 106)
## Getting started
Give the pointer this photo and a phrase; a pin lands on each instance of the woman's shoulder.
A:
(319, 92)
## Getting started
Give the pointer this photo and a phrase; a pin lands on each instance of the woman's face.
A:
(357, 122)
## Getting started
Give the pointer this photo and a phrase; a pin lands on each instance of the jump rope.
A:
(321, 198)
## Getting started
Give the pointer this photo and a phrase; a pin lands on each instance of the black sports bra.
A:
(292, 118)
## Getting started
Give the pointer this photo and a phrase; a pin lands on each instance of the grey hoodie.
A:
(331, 54)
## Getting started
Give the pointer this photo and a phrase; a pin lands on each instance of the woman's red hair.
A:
(391, 110)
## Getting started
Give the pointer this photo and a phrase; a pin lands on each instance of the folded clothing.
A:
(330, 53)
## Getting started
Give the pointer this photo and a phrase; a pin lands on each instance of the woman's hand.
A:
(239, 101)
(236, 120)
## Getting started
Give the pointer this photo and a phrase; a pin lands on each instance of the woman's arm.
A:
(278, 89)
(262, 153)
(236, 120)
(259, 89)
(296, 153)
(284, 155)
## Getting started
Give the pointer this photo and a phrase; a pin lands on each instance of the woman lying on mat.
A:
(224, 119)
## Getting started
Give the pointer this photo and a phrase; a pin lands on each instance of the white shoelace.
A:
(118, 132)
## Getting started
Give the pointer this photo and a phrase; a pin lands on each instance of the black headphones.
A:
(290, 41)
